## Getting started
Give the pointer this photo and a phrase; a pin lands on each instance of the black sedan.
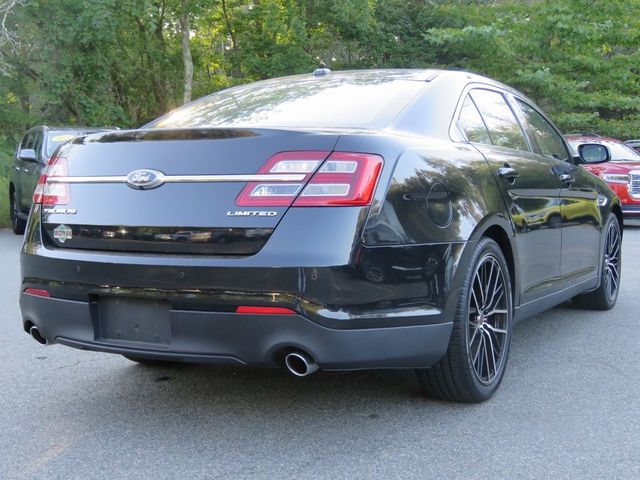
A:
(333, 221)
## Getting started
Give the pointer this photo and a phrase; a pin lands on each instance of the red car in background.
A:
(635, 144)
(622, 172)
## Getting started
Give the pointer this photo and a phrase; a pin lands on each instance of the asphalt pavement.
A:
(569, 407)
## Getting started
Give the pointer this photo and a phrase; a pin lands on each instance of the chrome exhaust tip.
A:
(300, 364)
(37, 336)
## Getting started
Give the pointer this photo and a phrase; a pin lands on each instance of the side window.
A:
(543, 135)
(502, 124)
(27, 141)
(37, 143)
(471, 123)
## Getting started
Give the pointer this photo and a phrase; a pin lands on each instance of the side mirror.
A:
(27, 154)
(593, 153)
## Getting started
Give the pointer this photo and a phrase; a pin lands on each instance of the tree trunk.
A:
(186, 52)
(234, 44)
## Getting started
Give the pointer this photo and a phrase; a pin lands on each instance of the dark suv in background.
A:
(34, 151)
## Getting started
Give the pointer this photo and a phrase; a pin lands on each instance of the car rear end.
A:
(216, 234)
(247, 250)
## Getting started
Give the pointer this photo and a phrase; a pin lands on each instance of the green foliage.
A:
(5, 158)
(119, 62)
(578, 59)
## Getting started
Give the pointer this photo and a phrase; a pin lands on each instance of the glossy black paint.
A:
(395, 265)
(191, 240)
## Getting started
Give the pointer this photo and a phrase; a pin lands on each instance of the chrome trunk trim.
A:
(267, 177)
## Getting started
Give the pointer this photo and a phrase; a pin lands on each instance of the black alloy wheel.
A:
(606, 295)
(487, 320)
(612, 256)
(474, 364)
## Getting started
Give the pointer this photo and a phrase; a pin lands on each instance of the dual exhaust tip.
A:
(37, 336)
(300, 364)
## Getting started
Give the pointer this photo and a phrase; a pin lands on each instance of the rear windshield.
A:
(619, 151)
(342, 101)
(55, 139)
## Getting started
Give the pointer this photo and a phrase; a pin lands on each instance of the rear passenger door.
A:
(581, 217)
(530, 190)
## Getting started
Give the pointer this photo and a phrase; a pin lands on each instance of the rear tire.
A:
(18, 225)
(605, 296)
(474, 364)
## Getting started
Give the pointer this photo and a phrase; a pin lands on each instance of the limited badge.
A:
(62, 233)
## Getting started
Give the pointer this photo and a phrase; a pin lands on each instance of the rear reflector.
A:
(37, 292)
(265, 310)
(342, 179)
(49, 193)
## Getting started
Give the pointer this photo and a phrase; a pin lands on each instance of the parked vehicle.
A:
(622, 173)
(333, 221)
(32, 155)
(635, 144)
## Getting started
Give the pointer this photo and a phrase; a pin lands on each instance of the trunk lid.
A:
(192, 211)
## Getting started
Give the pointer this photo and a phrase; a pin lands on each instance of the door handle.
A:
(508, 173)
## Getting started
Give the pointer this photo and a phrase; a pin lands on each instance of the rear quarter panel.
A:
(430, 191)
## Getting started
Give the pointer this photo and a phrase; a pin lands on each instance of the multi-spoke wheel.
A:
(487, 319)
(612, 260)
(475, 361)
(17, 224)
(605, 296)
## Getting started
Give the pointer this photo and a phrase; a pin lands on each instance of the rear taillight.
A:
(281, 194)
(342, 179)
(51, 192)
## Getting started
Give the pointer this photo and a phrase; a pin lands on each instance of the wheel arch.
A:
(499, 229)
(617, 211)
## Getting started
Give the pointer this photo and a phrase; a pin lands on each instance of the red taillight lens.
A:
(264, 310)
(281, 194)
(37, 292)
(342, 179)
(49, 192)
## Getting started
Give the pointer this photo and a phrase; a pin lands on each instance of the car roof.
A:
(375, 75)
(436, 96)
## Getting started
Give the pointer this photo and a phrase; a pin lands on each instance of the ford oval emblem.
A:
(145, 179)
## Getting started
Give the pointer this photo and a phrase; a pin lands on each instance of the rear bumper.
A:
(239, 339)
(356, 307)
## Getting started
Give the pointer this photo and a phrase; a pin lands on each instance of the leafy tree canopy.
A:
(120, 62)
